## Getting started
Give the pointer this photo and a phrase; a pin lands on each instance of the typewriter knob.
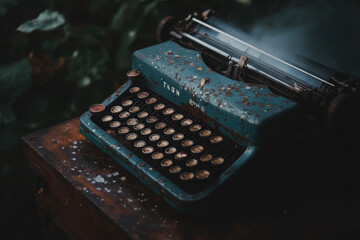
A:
(164, 27)
(134, 74)
(343, 112)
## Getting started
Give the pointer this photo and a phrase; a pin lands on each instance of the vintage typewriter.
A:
(201, 104)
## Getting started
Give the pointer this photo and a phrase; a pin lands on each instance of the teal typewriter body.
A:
(186, 129)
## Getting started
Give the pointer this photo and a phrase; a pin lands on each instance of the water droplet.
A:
(99, 179)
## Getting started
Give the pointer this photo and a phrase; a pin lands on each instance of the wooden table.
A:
(89, 196)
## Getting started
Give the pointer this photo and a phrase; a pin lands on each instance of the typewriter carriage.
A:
(315, 86)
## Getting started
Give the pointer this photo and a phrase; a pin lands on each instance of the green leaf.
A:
(46, 21)
(14, 79)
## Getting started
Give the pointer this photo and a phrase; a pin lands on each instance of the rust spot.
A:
(169, 61)
(245, 101)
(155, 82)
(203, 81)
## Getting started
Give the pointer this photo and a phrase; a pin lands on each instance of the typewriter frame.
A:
(247, 127)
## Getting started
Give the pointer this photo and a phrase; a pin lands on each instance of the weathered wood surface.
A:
(90, 196)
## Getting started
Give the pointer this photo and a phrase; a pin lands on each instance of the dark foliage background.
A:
(51, 75)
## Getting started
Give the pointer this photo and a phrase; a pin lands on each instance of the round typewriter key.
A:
(139, 126)
(169, 131)
(146, 131)
(162, 143)
(140, 144)
(154, 137)
(134, 109)
(150, 100)
(197, 149)
(216, 139)
(187, 143)
(178, 136)
(107, 118)
(205, 133)
(174, 169)
(159, 106)
(160, 125)
(186, 122)
(132, 121)
(168, 111)
(143, 114)
(205, 157)
(124, 114)
(180, 155)
(195, 127)
(115, 124)
(131, 136)
(126, 103)
(166, 163)
(177, 117)
(123, 130)
(134, 89)
(186, 176)
(202, 174)
(147, 150)
(157, 156)
(133, 74)
(96, 109)
(170, 150)
(192, 163)
(151, 119)
(143, 95)
(217, 161)
(116, 109)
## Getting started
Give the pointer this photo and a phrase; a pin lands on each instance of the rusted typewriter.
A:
(200, 105)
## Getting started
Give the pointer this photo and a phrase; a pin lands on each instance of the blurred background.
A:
(75, 53)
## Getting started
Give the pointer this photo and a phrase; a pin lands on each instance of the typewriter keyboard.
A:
(185, 150)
